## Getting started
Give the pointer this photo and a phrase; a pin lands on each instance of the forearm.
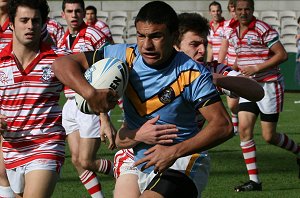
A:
(217, 131)
(223, 51)
(69, 72)
(125, 137)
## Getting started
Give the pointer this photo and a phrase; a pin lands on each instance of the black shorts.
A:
(173, 184)
(253, 108)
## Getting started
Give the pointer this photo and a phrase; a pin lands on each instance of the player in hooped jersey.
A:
(216, 31)
(227, 56)
(259, 53)
(91, 20)
(55, 30)
(5, 38)
(83, 130)
(33, 142)
(165, 90)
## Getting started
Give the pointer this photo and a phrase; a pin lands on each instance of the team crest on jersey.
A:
(249, 40)
(3, 78)
(82, 48)
(6, 77)
(46, 76)
(167, 95)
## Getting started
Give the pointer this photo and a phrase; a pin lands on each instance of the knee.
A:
(86, 164)
(269, 138)
(75, 161)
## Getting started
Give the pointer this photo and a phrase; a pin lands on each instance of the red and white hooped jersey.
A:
(55, 29)
(103, 27)
(29, 100)
(215, 38)
(5, 34)
(254, 47)
(231, 55)
(87, 39)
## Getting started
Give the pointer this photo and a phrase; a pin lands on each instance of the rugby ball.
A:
(106, 73)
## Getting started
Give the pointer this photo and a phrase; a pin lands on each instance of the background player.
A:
(259, 53)
(83, 130)
(91, 20)
(216, 31)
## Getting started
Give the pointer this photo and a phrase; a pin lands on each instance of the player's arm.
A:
(236, 84)
(209, 55)
(3, 124)
(149, 133)
(279, 56)
(69, 70)
(217, 131)
(223, 50)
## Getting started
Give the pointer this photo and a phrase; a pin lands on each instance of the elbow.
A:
(285, 57)
(228, 131)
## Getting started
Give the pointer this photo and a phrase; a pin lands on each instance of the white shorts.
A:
(16, 176)
(123, 163)
(73, 119)
(195, 166)
(272, 102)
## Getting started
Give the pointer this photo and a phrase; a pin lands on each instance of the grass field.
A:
(278, 169)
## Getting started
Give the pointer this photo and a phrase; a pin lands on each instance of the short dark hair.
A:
(81, 2)
(90, 7)
(249, 1)
(158, 12)
(298, 21)
(193, 22)
(214, 3)
(40, 5)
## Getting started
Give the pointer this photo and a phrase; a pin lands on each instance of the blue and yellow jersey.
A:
(175, 92)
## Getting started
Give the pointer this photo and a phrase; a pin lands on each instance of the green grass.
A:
(277, 167)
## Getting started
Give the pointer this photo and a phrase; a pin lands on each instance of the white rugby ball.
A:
(106, 73)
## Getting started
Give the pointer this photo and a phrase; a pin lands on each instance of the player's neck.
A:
(24, 54)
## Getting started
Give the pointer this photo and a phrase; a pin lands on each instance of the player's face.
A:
(90, 16)
(193, 45)
(215, 13)
(232, 11)
(244, 12)
(27, 27)
(155, 42)
(73, 14)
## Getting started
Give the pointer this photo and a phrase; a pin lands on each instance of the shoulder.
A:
(262, 27)
(94, 31)
(101, 24)
(60, 51)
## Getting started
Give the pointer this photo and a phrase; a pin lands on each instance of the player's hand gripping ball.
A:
(106, 73)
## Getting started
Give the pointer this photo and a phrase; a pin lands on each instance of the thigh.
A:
(40, 183)
(3, 176)
(233, 104)
(124, 183)
(88, 148)
(73, 142)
